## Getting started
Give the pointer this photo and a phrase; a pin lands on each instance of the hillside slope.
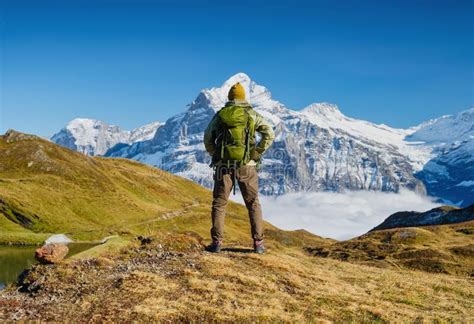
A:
(437, 249)
(45, 188)
(436, 216)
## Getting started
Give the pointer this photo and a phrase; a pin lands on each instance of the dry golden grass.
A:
(172, 279)
(298, 288)
(440, 249)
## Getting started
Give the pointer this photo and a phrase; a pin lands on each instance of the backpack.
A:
(236, 129)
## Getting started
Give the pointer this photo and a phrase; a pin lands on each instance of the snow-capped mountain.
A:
(450, 172)
(316, 149)
(144, 133)
(95, 137)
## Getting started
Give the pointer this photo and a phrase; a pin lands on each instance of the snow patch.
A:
(58, 238)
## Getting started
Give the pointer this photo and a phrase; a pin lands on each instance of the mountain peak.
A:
(322, 109)
(216, 97)
(240, 77)
(82, 121)
(95, 137)
(87, 125)
(14, 136)
(446, 129)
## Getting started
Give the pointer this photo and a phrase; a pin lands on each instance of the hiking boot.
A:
(215, 247)
(258, 247)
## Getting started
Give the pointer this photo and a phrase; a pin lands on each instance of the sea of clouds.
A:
(338, 215)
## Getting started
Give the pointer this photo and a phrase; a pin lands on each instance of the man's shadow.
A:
(237, 250)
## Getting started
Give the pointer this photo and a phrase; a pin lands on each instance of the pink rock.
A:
(51, 253)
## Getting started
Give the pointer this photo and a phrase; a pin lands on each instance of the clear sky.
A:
(133, 62)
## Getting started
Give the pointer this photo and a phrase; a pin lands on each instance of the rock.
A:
(58, 238)
(51, 253)
(144, 240)
(12, 136)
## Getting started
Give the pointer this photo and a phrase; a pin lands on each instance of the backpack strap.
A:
(247, 140)
(249, 132)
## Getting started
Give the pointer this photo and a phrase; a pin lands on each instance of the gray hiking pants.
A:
(247, 178)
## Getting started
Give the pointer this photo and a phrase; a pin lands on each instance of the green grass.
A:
(111, 247)
(12, 233)
(45, 188)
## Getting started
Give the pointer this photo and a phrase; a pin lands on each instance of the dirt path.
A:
(165, 216)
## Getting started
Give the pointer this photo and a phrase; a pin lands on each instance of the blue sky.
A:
(133, 62)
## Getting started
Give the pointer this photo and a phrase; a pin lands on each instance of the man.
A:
(230, 140)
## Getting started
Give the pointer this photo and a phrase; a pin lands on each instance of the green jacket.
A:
(261, 126)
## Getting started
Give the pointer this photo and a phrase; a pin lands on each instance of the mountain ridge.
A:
(316, 149)
(284, 160)
(94, 137)
(437, 216)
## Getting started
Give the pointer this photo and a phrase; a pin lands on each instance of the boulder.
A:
(51, 253)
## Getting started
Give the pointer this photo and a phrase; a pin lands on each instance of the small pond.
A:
(15, 259)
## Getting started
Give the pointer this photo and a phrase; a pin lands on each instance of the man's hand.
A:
(255, 156)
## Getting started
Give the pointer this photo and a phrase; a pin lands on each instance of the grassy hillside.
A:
(48, 189)
(45, 189)
(440, 248)
(436, 216)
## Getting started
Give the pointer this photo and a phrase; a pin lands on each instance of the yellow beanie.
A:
(237, 91)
